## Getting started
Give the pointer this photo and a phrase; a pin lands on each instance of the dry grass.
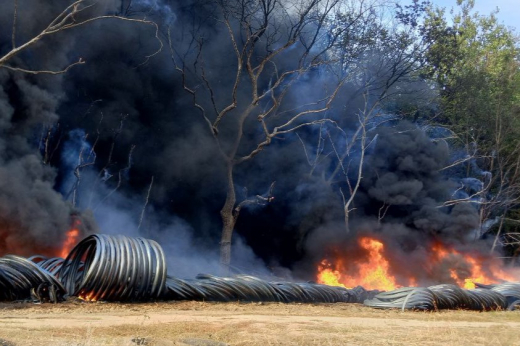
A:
(218, 324)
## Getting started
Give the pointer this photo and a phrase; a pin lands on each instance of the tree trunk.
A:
(228, 222)
(347, 214)
(497, 236)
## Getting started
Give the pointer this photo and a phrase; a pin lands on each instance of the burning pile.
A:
(119, 268)
(378, 269)
(372, 274)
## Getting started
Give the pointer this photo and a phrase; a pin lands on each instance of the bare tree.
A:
(376, 74)
(275, 46)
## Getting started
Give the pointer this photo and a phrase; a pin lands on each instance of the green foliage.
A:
(474, 59)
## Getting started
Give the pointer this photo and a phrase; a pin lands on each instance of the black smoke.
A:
(33, 215)
(121, 119)
(405, 174)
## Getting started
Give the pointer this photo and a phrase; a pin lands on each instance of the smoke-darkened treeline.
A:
(264, 132)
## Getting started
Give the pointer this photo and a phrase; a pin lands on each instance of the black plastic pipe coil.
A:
(103, 267)
(18, 276)
(120, 268)
(486, 297)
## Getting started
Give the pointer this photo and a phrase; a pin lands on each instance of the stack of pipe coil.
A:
(20, 278)
(119, 268)
(250, 288)
(52, 265)
(510, 290)
(484, 298)
(103, 267)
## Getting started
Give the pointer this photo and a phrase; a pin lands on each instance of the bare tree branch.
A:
(141, 218)
(15, 17)
(67, 19)
(17, 69)
(120, 177)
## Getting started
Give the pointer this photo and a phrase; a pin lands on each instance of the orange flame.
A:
(375, 272)
(88, 297)
(372, 274)
(69, 243)
(482, 269)
(329, 276)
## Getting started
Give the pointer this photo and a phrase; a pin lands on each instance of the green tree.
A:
(475, 61)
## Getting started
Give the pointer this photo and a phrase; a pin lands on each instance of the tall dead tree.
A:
(270, 48)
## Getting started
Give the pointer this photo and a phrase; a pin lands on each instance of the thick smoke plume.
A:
(400, 203)
(33, 215)
(88, 142)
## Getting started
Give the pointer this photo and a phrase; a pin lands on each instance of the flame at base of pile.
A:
(118, 268)
(372, 274)
(374, 267)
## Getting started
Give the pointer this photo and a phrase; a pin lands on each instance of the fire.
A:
(376, 270)
(71, 239)
(88, 297)
(443, 264)
(371, 274)
(482, 269)
(329, 276)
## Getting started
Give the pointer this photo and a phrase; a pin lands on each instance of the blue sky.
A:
(509, 9)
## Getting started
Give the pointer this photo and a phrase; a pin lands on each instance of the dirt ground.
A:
(219, 324)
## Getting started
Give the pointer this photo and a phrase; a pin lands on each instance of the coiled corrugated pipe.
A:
(103, 267)
(492, 297)
(250, 288)
(18, 276)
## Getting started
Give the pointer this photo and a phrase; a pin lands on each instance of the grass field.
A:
(263, 324)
